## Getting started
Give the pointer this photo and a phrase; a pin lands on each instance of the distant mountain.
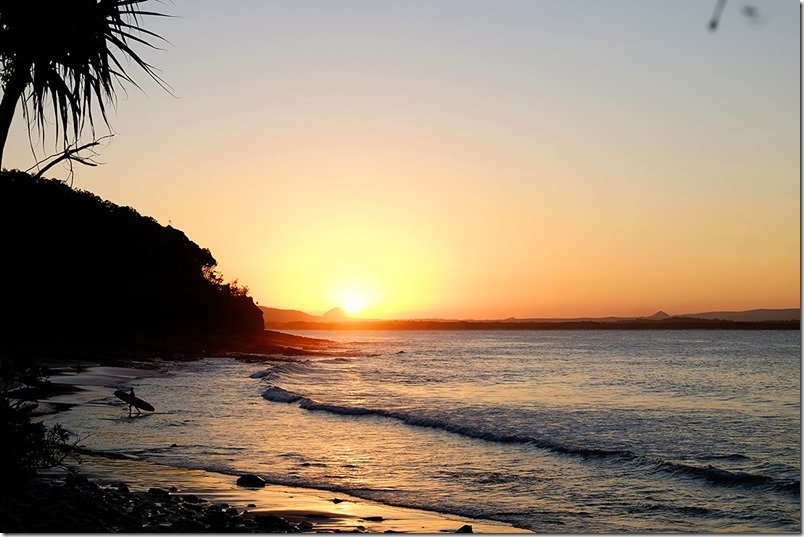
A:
(788, 314)
(278, 316)
(335, 315)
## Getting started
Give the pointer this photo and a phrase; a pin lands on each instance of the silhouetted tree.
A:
(67, 56)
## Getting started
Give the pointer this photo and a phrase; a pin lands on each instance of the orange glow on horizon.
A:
(457, 163)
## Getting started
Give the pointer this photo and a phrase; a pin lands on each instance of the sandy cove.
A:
(133, 495)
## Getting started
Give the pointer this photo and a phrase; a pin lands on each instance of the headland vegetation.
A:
(86, 276)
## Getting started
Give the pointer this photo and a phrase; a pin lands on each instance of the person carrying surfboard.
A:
(131, 404)
(133, 401)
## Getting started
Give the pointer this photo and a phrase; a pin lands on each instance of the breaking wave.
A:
(278, 395)
(711, 474)
(282, 368)
(719, 476)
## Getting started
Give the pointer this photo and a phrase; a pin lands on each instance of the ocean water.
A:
(553, 431)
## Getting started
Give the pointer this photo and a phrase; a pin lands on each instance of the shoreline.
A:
(308, 509)
(300, 509)
(62, 352)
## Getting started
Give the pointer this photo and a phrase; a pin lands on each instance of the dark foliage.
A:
(73, 263)
(27, 445)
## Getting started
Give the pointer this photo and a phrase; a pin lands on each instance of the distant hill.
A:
(273, 316)
(335, 315)
(277, 318)
(788, 314)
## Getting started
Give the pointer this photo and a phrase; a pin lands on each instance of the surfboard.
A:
(134, 401)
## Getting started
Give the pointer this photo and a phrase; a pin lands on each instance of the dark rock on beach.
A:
(78, 505)
(466, 528)
(122, 487)
(275, 524)
(250, 480)
(159, 493)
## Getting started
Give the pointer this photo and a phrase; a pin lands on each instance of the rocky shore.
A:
(121, 495)
(78, 505)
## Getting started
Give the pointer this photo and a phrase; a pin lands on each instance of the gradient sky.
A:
(465, 158)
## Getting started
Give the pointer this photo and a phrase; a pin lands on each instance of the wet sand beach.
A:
(126, 494)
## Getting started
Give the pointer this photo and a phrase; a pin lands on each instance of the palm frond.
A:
(70, 53)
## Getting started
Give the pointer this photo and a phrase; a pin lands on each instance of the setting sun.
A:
(353, 294)
(352, 305)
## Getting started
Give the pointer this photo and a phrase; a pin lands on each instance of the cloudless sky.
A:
(468, 158)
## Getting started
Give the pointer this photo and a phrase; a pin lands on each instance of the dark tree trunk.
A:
(11, 96)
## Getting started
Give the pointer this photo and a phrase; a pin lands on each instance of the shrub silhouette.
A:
(74, 263)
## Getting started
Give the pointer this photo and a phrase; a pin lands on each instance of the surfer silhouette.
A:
(130, 405)
(133, 401)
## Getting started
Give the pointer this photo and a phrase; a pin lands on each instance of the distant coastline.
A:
(780, 319)
(674, 324)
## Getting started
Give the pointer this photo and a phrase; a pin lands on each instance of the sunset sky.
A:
(472, 159)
